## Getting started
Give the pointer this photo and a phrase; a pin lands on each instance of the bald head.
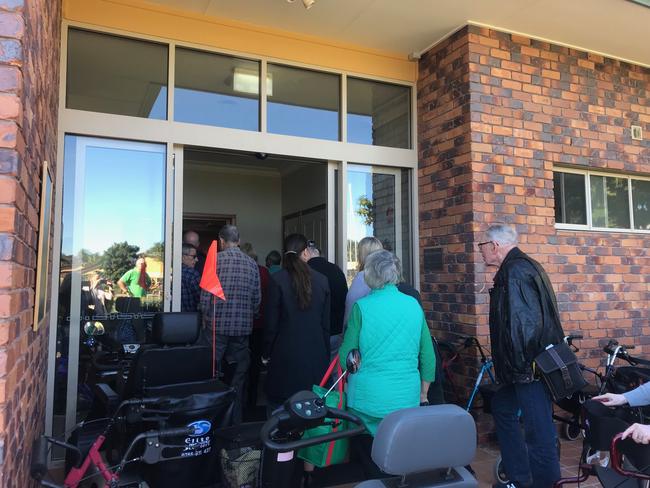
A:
(191, 238)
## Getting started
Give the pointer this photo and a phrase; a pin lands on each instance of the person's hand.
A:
(638, 432)
(611, 399)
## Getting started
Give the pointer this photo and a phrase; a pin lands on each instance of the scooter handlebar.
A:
(270, 427)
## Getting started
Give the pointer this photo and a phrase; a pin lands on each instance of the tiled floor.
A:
(486, 456)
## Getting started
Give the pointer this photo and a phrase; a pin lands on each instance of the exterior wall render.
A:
(29, 57)
(529, 106)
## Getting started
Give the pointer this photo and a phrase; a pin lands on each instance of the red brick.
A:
(11, 25)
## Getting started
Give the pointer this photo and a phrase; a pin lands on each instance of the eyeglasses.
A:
(481, 244)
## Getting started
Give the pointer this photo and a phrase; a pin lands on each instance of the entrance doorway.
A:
(266, 196)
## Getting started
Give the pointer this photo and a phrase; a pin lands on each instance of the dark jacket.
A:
(523, 317)
(296, 341)
(338, 291)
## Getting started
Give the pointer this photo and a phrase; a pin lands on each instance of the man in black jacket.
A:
(521, 326)
(338, 291)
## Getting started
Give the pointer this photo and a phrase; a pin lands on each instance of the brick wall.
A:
(445, 191)
(532, 106)
(29, 73)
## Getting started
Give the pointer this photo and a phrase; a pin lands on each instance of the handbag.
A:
(333, 452)
(558, 367)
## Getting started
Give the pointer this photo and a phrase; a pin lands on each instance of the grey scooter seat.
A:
(422, 444)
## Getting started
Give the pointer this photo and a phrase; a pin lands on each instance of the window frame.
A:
(587, 181)
(172, 45)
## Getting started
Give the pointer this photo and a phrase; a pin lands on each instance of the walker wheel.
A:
(499, 471)
(571, 431)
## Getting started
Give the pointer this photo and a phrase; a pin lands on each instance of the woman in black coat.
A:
(297, 338)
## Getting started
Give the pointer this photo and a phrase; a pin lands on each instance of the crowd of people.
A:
(296, 313)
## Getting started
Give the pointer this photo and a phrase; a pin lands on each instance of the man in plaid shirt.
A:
(232, 318)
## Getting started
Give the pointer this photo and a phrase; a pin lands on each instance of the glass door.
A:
(377, 204)
(112, 261)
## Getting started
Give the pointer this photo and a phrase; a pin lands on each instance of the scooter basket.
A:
(240, 455)
(240, 467)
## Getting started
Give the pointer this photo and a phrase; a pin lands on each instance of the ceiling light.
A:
(307, 3)
(248, 81)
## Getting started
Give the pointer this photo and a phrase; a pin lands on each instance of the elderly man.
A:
(192, 238)
(232, 318)
(190, 279)
(519, 330)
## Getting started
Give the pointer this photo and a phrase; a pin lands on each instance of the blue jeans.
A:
(530, 461)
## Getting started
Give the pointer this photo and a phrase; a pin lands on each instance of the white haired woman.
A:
(397, 358)
(358, 288)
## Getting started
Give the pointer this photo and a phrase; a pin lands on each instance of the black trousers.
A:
(235, 351)
(361, 447)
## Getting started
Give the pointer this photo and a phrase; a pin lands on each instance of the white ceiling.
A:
(618, 28)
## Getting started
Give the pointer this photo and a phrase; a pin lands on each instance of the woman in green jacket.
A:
(397, 359)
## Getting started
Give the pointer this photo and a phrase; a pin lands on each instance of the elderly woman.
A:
(358, 288)
(397, 359)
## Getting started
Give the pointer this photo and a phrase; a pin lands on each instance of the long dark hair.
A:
(294, 245)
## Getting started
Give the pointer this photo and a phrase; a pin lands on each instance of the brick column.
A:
(29, 74)
(446, 217)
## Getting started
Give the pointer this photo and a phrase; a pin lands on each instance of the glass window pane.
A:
(371, 211)
(116, 75)
(558, 189)
(218, 90)
(641, 204)
(379, 113)
(303, 103)
(113, 214)
(609, 202)
(570, 198)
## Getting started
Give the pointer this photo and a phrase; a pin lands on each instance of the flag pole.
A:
(214, 337)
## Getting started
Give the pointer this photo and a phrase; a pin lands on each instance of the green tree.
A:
(89, 258)
(118, 259)
(157, 250)
(366, 210)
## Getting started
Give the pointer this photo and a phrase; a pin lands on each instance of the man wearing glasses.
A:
(190, 279)
(521, 326)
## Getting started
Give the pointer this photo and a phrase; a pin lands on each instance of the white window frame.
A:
(587, 181)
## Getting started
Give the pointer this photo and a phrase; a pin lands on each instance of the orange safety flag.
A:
(210, 281)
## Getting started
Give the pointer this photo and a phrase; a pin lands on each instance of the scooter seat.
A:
(456, 478)
(405, 445)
